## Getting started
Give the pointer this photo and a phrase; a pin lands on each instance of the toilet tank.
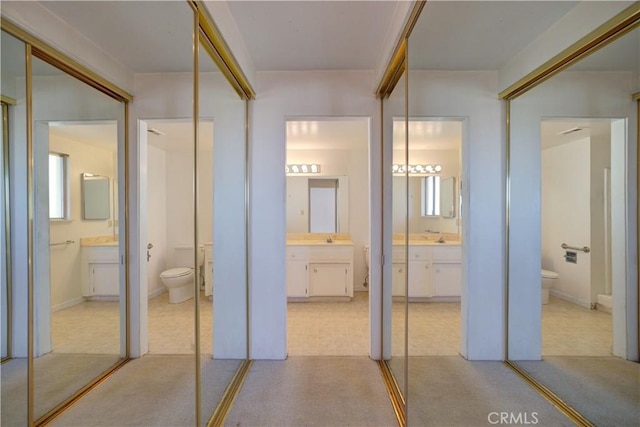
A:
(183, 256)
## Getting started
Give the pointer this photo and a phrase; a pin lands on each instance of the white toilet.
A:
(179, 280)
(548, 281)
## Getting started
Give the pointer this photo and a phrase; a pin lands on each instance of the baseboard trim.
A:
(67, 304)
(157, 292)
(570, 299)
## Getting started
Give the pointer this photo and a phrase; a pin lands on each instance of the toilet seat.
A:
(176, 272)
(549, 274)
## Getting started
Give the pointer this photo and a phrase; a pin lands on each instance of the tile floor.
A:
(325, 328)
(93, 327)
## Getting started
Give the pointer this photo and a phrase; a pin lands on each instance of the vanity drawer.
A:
(419, 253)
(297, 252)
(447, 253)
(331, 253)
(108, 254)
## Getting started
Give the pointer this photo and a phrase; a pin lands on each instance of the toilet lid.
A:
(176, 272)
(550, 274)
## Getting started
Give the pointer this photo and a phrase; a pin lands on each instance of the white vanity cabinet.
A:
(319, 270)
(100, 271)
(433, 271)
(420, 285)
(398, 277)
(447, 271)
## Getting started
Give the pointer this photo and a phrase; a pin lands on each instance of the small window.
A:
(431, 196)
(59, 186)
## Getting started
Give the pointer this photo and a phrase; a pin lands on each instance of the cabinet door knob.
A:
(315, 270)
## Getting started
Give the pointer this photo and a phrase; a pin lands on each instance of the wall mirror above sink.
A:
(317, 204)
(433, 175)
(96, 197)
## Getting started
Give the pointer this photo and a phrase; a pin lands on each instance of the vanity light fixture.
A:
(416, 169)
(302, 168)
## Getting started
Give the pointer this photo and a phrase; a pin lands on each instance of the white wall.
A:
(569, 94)
(566, 217)
(66, 279)
(472, 96)
(600, 159)
(282, 95)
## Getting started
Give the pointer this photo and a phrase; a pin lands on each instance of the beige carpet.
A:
(313, 391)
(605, 390)
(452, 391)
(154, 390)
(57, 376)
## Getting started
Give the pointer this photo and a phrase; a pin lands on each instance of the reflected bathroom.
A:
(578, 162)
(432, 266)
(169, 253)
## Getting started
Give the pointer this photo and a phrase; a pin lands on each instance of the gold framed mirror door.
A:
(573, 286)
(43, 348)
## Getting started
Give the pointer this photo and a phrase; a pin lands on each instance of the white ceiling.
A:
(101, 134)
(162, 28)
(551, 129)
(314, 35)
(478, 35)
(328, 35)
(428, 134)
(327, 134)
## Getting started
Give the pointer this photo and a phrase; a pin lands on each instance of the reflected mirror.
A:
(447, 197)
(95, 196)
(80, 317)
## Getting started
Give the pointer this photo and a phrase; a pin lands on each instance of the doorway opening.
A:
(583, 181)
(167, 216)
(327, 176)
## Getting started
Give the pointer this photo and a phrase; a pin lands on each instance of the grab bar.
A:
(68, 242)
(584, 249)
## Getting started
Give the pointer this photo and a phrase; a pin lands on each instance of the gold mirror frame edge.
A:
(220, 52)
(394, 392)
(614, 28)
(611, 30)
(397, 63)
(41, 50)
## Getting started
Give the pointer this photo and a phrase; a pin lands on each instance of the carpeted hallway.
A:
(313, 391)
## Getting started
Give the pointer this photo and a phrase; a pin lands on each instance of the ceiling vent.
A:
(569, 131)
(155, 132)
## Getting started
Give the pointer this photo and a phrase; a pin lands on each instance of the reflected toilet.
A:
(179, 280)
(548, 281)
